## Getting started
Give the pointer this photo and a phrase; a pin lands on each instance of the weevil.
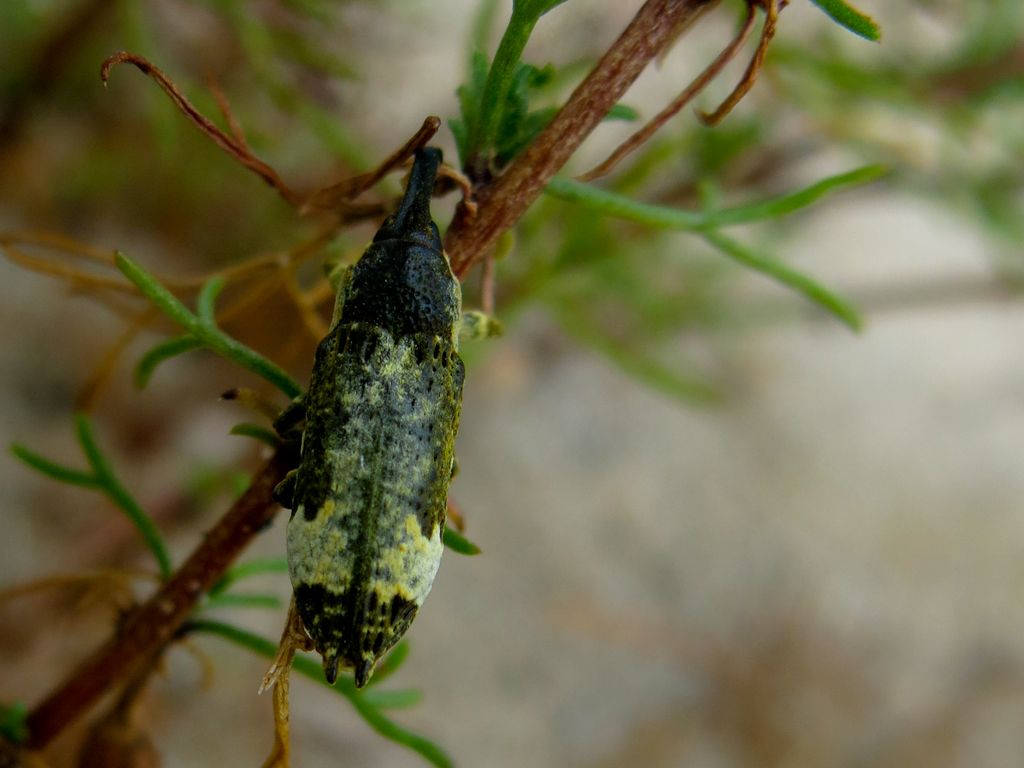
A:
(369, 495)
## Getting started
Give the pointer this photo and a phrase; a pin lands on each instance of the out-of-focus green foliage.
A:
(12, 722)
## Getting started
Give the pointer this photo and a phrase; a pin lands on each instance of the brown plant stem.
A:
(233, 145)
(152, 625)
(502, 203)
(771, 17)
(692, 90)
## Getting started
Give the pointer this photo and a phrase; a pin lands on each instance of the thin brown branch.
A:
(153, 624)
(771, 15)
(75, 277)
(455, 516)
(334, 196)
(502, 203)
(695, 87)
(115, 577)
(226, 112)
(232, 146)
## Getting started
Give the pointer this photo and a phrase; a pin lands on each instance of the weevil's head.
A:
(403, 282)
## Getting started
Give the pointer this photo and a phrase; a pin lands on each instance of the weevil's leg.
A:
(477, 325)
(281, 753)
(293, 638)
(288, 421)
(284, 492)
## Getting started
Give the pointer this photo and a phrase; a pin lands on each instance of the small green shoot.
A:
(456, 542)
(496, 122)
(103, 479)
(849, 17)
(202, 327)
(12, 722)
(778, 271)
(707, 224)
(247, 569)
(256, 432)
(240, 600)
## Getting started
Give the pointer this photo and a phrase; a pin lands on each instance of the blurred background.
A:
(718, 527)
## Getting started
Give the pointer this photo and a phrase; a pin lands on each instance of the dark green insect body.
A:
(370, 494)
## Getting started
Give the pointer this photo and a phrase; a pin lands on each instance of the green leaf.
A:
(518, 126)
(403, 698)
(526, 131)
(344, 686)
(470, 94)
(496, 121)
(206, 302)
(257, 432)
(534, 8)
(109, 484)
(58, 472)
(673, 218)
(783, 205)
(456, 542)
(787, 276)
(849, 17)
(209, 335)
(101, 479)
(247, 569)
(165, 350)
(240, 600)
(12, 722)
(622, 112)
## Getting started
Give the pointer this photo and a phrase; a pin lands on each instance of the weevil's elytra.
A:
(382, 411)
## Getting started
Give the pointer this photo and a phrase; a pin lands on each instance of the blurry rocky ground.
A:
(825, 568)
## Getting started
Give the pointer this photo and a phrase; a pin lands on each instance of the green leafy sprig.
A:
(101, 477)
(496, 122)
(708, 223)
(202, 330)
(849, 17)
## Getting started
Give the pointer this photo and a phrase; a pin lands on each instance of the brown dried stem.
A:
(503, 202)
(153, 625)
(333, 196)
(695, 87)
(237, 149)
(771, 15)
